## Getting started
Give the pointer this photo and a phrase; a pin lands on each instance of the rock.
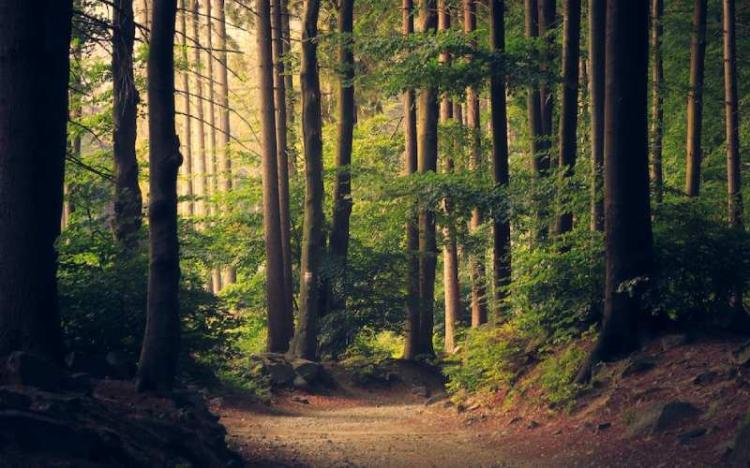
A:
(662, 416)
(420, 391)
(280, 373)
(300, 383)
(533, 425)
(308, 370)
(603, 426)
(637, 365)
(673, 341)
(600, 374)
(23, 430)
(687, 437)
(120, 365)
(303, 401)
(741, 355)
(707, 377)
(740, 455)
(93, 365)
(516, 419)
(23, 368)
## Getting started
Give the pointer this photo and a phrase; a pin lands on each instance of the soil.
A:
(409, 423)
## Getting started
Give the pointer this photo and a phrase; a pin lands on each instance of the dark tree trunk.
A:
(128, 201)
(657, 98)
(533, 108)
(34, 53)
(161, 342)
(569, 103)
(278, 313)
(411, 347)
(306, 340)
(186, 145)
(547, 19)
(501, 253)
(695, 100)
(427, 162)
(734, 186)
(597, 37)
(342, 198)
(629, 243)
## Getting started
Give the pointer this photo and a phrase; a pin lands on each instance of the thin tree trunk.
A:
(532, 98)
(128, 201)
(306, 340)
(569, 103)
(282, 150)
(734, 186)
(289, 86)
(74, 144)
(501, 248)
(427, 162)
(34, 53)
(277, 303)
(547, 19)
(629, 242)
(695, 100)
(201, 181)
(657, 98)
(411, 347)
(161, 342)
(597, 38)
(187, 147)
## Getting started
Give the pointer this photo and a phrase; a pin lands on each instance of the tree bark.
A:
(695, 100)
(533, 108)
(734, 186)
(657, 98)
(186, 144)
(629, 242)
(161, 342)
(411, 347)
(306, 340)
(547, 19)
(34, 52)
(597, 19)
(342, 198)
(569, 104)
(501, 252)
(201, 181)
(128, 202)
(427, 162)
(277, 303)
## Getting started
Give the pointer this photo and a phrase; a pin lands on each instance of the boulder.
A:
(280, 373)
(688, 437)
(661, 417)
(637, 365)
(120, 366)
(301, 384)
(92, 364)
(740, 454)
(308, 370)
(22, 368)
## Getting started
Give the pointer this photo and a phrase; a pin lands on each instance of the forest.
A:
(374, 233)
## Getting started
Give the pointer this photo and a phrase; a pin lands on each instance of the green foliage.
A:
(556, 374)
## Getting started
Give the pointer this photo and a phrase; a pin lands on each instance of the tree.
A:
(629, 241)
(569, 103)
(187, 146)
(531, 31)
(128, 202)
(547, 22)
(501, 258)
(342, 190)
(411, 347)
(161, 341)
(734, 186)
(657, 98)
(597, 19)
(34, 52)
(427, 162)
(201, 185)
(306, 339)
(695, 100)
(278, 314)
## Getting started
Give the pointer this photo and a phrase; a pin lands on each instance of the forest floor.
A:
(409, 424)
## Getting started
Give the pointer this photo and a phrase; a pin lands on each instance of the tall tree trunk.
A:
(288, 86)
(306, 340)
(282, 150)
(657, 98)
(161, 342)
(342, 198)
(128, 202)
(278, 313)
(451, 288)
(547, 19)
(629, 242)
(597, 37)
(501, 248)
(74, 141)
(187, 147)
(427, 162)
(201, 166)
(473, 122)
(533, 108)
(734, 186)
(411, 347)
(695, 100)
(569, 103)
(34, 52)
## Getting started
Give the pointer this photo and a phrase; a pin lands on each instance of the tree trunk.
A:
(734, 186)
(34, 53)
(657, 98)
(187, 147)
(569, 103)
(597, 38)
(201, 181)
(695, 100)
(282, 152)
(126, 223)
(547, 19)
(306, 340)
(289, 86)
(277, 303)
(161, 342)
(501, 252)
(629, 242)
(411, 347)
(427, 162)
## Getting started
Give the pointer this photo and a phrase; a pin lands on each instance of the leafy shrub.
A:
(556, 374)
